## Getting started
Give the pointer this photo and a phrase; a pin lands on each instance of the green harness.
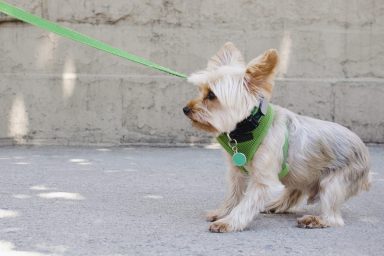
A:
(242, 153)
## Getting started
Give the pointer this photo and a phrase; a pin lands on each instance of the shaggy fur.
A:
(328, 163)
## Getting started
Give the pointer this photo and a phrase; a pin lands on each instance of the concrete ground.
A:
(150, 201)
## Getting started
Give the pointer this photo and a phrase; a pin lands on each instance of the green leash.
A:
(76, 36)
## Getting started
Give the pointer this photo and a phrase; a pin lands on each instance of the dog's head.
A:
(230, 89)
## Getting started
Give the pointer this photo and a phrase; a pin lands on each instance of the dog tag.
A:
(239, 159)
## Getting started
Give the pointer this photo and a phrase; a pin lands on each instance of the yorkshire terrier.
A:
(327, 163)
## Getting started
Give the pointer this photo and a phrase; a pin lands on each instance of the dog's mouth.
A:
(203, 126)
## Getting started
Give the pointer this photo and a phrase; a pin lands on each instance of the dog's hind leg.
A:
(237, 184)
(289, 199)
(332, 195)
(335, 189)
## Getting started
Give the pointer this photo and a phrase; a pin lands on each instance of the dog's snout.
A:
(186, 110)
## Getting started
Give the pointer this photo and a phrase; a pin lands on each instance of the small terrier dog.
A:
(327, 162)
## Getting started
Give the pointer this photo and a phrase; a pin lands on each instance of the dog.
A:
(327, 162)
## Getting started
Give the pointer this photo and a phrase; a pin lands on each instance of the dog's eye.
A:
(211, 95)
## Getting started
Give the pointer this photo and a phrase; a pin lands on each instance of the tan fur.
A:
(219, 227)
(327, 162)
(204, 127)
(290, 198)
(260, 71)
(195, 106)
(310, 221)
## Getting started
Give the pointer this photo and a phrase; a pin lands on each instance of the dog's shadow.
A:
(268, 221)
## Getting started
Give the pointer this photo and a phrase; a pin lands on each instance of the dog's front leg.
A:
(256, 195)
(237, 184)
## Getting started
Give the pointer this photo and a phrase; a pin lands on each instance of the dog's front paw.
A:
(310, 221)
(213, 215)
(220, 227)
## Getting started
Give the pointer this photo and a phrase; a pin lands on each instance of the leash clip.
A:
(232, 143)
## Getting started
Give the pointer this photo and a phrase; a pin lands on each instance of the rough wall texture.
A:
(56, 91)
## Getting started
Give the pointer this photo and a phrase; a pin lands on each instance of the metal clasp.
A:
(232, 143)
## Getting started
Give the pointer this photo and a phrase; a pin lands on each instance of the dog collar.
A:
(243, 142)
(244, 130)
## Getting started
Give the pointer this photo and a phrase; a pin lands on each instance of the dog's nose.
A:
(186, 110)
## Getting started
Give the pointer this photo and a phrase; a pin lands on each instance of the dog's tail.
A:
(361, 168)
(366, 182)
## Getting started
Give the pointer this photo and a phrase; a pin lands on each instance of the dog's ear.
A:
(260, 73)
(227, 55)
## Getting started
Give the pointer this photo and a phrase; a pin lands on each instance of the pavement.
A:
(151, 201)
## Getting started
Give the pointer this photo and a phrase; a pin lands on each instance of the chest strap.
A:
(254, 139)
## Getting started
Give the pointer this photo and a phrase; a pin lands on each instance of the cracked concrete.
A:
(79, 201)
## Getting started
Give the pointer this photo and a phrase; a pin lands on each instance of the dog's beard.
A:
(200, 123)
(219, 121)
(204, 126)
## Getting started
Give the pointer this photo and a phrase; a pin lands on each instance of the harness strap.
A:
(249, 147)
(285, 167)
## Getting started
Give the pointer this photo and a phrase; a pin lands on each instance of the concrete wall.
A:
(55, 91)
